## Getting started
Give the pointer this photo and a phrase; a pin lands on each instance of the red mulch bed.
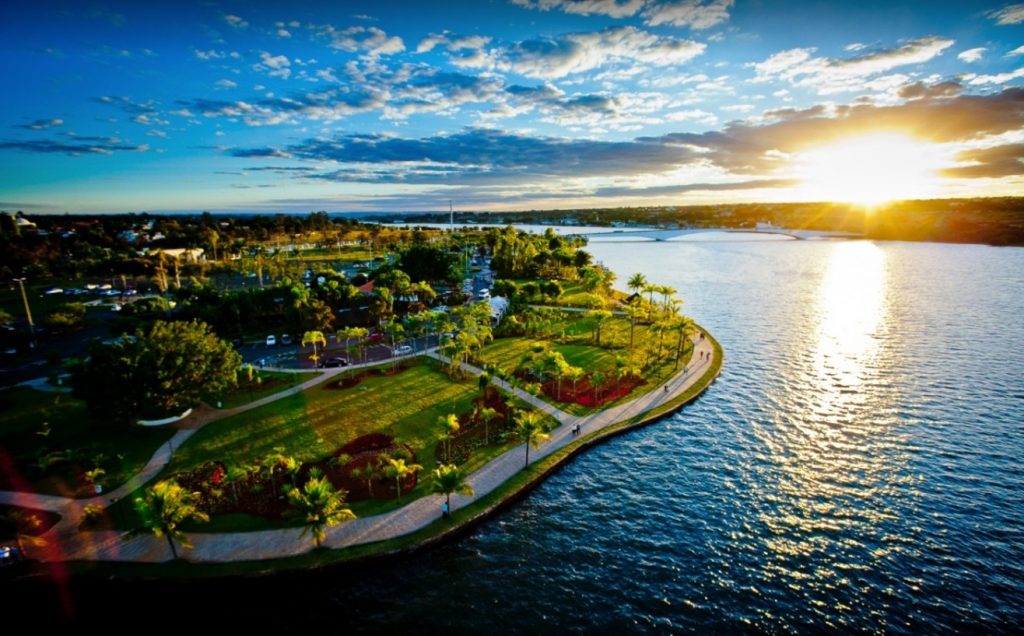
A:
(473, 433)
(587, 395)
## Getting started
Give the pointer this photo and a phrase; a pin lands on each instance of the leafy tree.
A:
(637, 282)
(320, 506)
(598, 316)
(165, 369)
(164, 508)
(66, 318)
(552, 289)
(372, 470)
(487, 414)
(530, 428)
(447, 480)
(397, 468)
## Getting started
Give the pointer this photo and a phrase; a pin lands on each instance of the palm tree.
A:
(635, 312)
(449, 425)
(274, 458)
(95, 475)
(398, 469)
(484, 381)
(487, 414)
(597, 378)
(369, 472)
(233, 475)
(531, 429)
(447, 480)
(314, 338)
(164, 508)
(320, 505)
(684, 326)
(598, 316)
(637, 282)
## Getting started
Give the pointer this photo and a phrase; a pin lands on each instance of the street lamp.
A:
(28, 312)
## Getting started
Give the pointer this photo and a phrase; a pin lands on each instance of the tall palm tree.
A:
(487, 414)
(398, 469)
(314, 338)
(634, 311)
(320, 506)
(164, 508)
(447, 480)
(372, 470)
(637, 282)
(449, 425)
(484, 382)
(531, 429)
(598, 316)
(684, 327)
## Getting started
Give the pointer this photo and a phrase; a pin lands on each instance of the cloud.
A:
(579, 52)
(452, 42)
(610, 8)
(224, 84)
(674, 190)
(972, 55)
(1012, 14)
(274, 65)
(919, 90)
(128, 105)
(41, 124)
(998, 161)
(371, 40)
(440, 92)
(1000, 78)
(236, 22)
(76, 146)
(696, 14)
(1015, 52)
(831, 75)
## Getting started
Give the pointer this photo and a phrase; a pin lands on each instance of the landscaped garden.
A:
(375, 433)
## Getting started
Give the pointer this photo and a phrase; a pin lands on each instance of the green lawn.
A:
(83, 441)
(313, 424)
(273, 382)
(572, 336)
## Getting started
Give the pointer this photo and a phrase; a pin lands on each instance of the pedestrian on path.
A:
(666, 386)
(445, 512)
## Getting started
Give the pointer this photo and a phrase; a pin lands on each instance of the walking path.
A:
(65, 542)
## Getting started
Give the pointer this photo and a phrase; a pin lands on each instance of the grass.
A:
(122, 449)
(573, 338)
(517, 486)
(273, 382)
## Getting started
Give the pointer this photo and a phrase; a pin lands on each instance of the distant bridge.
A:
(666, 235)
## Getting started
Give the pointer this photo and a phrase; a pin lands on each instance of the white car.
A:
(271, 341)
(401, 350)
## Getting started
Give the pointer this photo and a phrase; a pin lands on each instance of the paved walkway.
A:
(66, 543)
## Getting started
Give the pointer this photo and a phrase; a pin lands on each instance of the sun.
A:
(869, 170)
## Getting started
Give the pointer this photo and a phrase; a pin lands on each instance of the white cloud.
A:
(831, 75)
(610, 8)
(854, 46)
(235, 21)
(1000, 78)
(1017, 51)
(579, 52)
(283, 33)
(225, 84)
(1012, 14)
(695, 14)
(452, 42)
(210, 55)
(369, 40)
(972, 55)
(275, 65)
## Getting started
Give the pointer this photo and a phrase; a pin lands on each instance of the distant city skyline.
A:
(401, 106)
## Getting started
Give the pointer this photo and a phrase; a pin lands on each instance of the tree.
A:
(551, 289)
(164, 508)
(449, 425)
(320, 506)
(487, 414)
(637, 282)
(447, 480)
(530, 428)
(397, 468)
(598, 316)
(163, 370)
(484, 381)
(372, 470)
(314, 338)
(635, 312)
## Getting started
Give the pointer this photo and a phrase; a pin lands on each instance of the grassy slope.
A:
(280, 380)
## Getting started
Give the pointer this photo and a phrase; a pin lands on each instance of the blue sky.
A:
(499, 105)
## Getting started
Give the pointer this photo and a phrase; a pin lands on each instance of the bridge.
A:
(669, 234)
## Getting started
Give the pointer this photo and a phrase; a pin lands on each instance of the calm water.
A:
(857, 467)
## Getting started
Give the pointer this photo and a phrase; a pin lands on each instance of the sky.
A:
(505, 104)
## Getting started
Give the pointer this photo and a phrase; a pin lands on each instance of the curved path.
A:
(65, 542)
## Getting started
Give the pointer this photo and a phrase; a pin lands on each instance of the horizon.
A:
(507, 107)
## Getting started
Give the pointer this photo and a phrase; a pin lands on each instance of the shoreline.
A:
(436, 532)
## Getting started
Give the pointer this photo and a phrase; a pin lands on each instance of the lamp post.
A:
(28, 312)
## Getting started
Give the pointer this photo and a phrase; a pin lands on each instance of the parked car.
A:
(376, 336)
(271, 341)
(286, 339)
(401, 350)
(329, 363)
